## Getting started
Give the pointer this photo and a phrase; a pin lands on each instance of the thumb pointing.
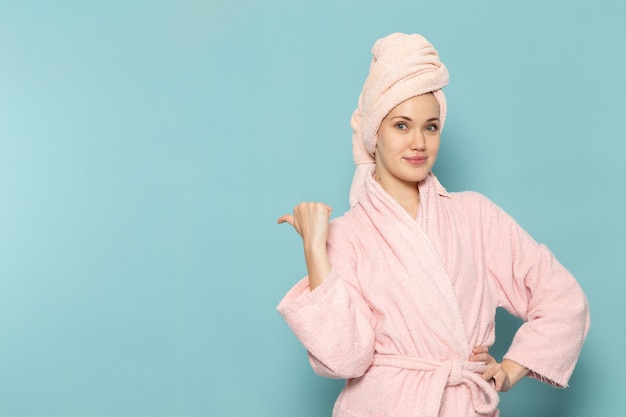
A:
(286, 218)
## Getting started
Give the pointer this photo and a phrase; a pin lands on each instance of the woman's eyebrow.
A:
(432, 119)
(402, 117)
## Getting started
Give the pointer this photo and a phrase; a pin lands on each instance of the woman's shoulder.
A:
(348, 227)
(461, 199)
(473, 200)
(344, 223)
(478, 208)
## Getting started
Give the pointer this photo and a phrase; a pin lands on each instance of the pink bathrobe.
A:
(407, 300)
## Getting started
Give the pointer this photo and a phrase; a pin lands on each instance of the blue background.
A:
(147, 148)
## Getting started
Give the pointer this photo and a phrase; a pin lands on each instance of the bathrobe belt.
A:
(447, 373)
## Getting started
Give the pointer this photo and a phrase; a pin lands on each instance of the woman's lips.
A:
(416, 160)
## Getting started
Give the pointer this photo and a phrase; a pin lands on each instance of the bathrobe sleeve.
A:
(333, 322)
(534, 286)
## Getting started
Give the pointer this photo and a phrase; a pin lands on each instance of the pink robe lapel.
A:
(418, 269)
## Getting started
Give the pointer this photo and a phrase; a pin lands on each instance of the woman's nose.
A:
(419, 141)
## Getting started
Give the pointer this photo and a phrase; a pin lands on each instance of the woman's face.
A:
(408, 142)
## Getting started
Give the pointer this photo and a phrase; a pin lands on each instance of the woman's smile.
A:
(416, 160)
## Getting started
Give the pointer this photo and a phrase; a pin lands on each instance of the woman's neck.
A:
(406, 194)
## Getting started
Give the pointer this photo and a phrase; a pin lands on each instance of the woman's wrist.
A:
(514, 371)
(318, 264)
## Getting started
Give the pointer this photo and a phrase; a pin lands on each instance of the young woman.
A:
(402, 290)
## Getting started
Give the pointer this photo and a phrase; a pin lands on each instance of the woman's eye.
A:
(401, 126)
(432, 128)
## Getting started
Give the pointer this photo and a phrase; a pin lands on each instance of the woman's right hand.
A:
(311, 221)
(504, 374)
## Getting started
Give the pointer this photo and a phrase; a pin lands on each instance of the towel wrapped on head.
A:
(403, 66)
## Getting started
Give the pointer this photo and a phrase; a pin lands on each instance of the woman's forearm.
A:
(317, 264)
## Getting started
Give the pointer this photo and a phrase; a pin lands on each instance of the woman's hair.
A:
(403, 66)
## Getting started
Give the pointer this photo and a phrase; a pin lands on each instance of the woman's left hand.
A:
(494, 369)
